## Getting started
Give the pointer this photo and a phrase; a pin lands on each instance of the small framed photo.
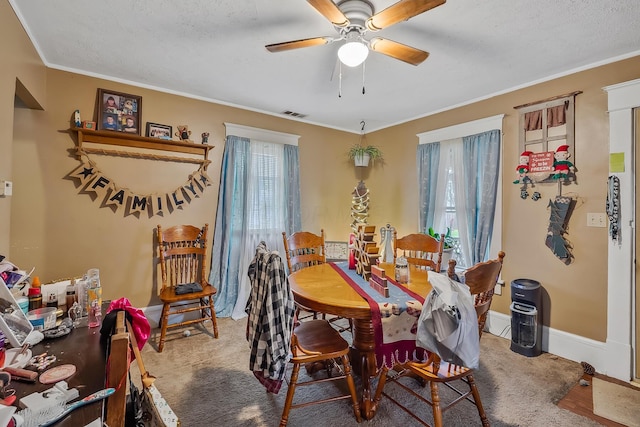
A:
(156, 130)
(336, 251)
(120, 112)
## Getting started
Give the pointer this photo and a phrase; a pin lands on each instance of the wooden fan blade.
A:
(297, 44)
(329, 10)
(400, 11)
(400, 51)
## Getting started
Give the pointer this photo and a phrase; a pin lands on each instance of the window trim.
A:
(263, 135)
(462, 129)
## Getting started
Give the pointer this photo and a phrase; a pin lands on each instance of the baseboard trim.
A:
(560, 343)
(563, 344)
(154, 313)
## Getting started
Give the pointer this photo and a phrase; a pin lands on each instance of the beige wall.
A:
(63, 233)
(576, 294)
(19, 62)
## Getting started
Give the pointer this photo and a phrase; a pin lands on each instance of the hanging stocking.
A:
(561, 209)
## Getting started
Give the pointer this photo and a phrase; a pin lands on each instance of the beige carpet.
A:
(616, 402)
(207, 382)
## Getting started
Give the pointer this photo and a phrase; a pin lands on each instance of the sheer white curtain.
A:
(266, 206)
(451, 184)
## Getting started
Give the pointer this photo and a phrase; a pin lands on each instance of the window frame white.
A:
(472, 128)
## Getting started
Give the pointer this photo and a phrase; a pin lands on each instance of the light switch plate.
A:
(6, 188)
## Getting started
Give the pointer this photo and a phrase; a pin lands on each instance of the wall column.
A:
(623, 98)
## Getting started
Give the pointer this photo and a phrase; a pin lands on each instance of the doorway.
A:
(636, 312)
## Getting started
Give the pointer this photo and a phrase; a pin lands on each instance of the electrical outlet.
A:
(498, 288)
(596, 220)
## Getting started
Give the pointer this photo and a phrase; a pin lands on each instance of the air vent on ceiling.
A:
(294, 114)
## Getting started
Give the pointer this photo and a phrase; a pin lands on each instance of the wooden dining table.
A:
(321, 288)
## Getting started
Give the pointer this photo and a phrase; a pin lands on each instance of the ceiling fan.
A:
(353, 19)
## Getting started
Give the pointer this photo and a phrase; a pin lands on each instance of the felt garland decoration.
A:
(359, 206)
(613, 207)
(92, 181)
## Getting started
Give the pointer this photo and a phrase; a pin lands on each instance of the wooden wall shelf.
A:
(136, 141)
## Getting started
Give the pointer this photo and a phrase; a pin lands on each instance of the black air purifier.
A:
(526, 317)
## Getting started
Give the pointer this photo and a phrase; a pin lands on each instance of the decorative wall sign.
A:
(123, 200)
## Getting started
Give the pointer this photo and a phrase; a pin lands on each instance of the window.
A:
(268, 177)
(259, 198)
(459, 182)
(547, 125)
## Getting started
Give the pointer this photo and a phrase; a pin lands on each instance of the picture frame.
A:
(119, 112)
(336, 250)
(160, 131)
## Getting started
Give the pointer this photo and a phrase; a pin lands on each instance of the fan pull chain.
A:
(363, 65)
(340, 80)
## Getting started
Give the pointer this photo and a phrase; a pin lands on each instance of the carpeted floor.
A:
(207, 382)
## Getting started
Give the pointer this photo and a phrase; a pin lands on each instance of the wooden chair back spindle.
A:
(421, 250)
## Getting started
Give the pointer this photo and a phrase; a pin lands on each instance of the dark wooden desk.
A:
(85, 349)
(82, 348)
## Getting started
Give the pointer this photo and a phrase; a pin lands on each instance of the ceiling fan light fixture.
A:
(353, 53)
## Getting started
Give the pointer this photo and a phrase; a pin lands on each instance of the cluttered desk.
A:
(53, 367)
(64, 369)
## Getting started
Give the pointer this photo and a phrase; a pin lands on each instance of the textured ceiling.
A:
(214, 50)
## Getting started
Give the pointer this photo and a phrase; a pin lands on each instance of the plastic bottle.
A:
(35, 298)
(81, 296)
(94, 298)
(35, 283)
(71, 295)
(52, 301)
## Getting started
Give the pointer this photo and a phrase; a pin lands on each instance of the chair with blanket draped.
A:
(481, 279)
(181, 254)
(270, 312)
(421, 250)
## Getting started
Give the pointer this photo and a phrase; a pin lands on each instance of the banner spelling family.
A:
(92, 180)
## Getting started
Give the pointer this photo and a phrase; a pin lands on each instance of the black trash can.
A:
(526, 317)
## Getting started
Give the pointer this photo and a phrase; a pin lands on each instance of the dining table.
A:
(327, 288)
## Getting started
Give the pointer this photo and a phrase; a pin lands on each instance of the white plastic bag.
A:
(448, 324)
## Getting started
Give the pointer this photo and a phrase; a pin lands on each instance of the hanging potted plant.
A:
(362, 154)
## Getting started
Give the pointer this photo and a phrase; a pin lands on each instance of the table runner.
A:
(395, 319)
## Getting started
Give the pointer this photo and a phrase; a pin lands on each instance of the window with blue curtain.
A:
(259, 198)
(458, 186)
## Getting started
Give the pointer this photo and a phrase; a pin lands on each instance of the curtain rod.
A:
(553, 98)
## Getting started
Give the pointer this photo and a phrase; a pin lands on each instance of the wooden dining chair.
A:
(421, 250)
(481, 279)
(181, 254)
(316, 341)
(305, 249)
(434, 371)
